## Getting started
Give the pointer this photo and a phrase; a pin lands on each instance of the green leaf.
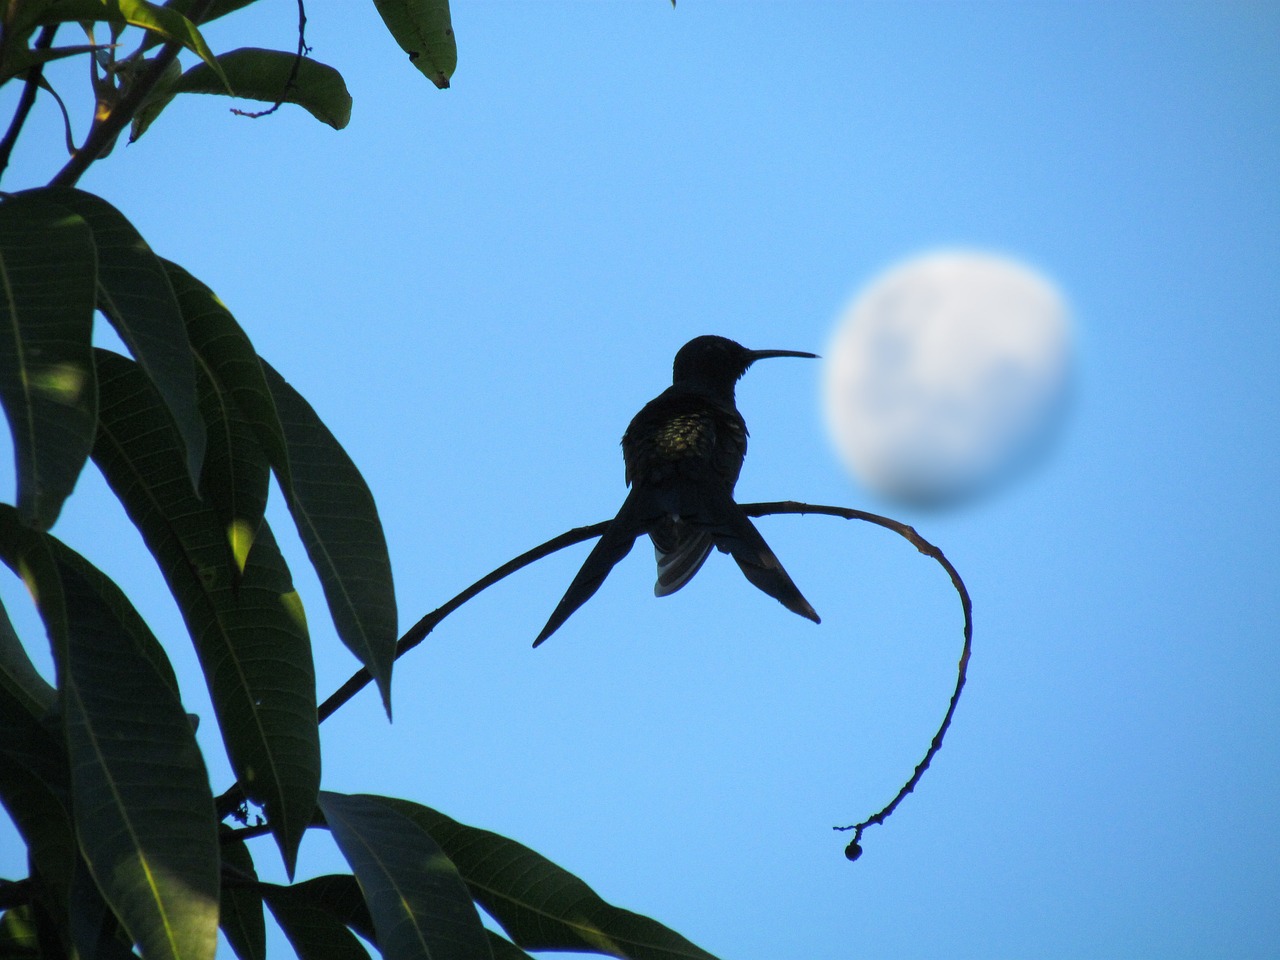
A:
(34, 778)
(504, 949)
(338, 523)
(238, 405)
(18, 937)
(134, 293)
(419, 905)
(251, 637)
(219, 8)
(542, 906)
(48, 274)
(159, 97)
(19, 679)
(18, 60)
(143, 809)
(230, 359)
(424, 31)
(164, 22)
(264, 75)
(241, 908)
(339, 894)
(313, 932)
(236, 477)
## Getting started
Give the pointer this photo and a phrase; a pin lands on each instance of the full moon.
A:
(945, 374)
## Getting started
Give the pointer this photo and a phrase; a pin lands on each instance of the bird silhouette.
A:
(683, 452)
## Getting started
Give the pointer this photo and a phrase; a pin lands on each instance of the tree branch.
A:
(28, 98)
(106, 130)
(419, 631)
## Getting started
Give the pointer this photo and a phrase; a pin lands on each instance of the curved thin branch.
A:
(854, 850)
(419, 631)
(292, 79)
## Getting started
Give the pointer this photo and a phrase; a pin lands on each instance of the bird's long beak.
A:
(766, 354)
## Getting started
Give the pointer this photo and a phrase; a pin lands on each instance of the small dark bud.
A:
(853, 851)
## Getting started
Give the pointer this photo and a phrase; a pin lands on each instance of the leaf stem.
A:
(28, 98)
(104, 131)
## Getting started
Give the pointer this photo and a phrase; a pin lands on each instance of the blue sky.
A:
(477, 288)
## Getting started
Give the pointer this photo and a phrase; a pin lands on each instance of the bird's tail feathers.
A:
(738, 536)
(614, 544)
(677, 566)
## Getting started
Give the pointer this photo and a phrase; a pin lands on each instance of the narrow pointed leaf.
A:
(313, 932)
(421, 910)
(237, 477)
(237, 489)
(424, 31)
(264, 75)
(219, 8)
(19, 679)
(95, 932)
(153, 104)
(141, 800)
(48, 274)
(34, 789)
(134, 293)
(251, 637)
(542, 906)
(504, 949)
(240, 916)
(339, 526)
(339, 894)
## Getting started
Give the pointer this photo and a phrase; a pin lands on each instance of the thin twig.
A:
(230, 800)
(28, 98)
(106, 130)
(854, 850)
(303, 50)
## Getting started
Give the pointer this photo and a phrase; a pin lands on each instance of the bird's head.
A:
(716, 363)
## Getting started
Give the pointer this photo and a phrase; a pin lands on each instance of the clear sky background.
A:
(477, 289)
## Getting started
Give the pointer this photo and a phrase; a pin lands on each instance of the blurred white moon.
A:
(946, 372)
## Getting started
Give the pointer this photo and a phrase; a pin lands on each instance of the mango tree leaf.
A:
(219, 8)
(339, 894)
(424, 31)
(542, 906)
(338, 523)
(421, 910)
(229, 357)
(34, 779)
(94, 930)
(241, 908)
(504, 949)
(251, 637)
(313, 932)
(143, 809)
(19, 939)
(19, 59)
(159, 97)
(263, 75)
(237, 398)
(48, 275)
(164, 22)
(134, 293)
(19, 679)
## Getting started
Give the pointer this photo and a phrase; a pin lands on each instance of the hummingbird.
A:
(683, 452)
